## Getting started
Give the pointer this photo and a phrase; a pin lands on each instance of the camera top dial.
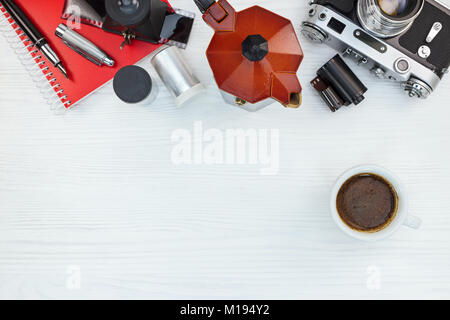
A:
(128, 12)
(128, 7)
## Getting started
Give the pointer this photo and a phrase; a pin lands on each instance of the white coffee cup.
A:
(401, 218)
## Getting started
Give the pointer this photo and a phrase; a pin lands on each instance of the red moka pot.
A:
(254, 55)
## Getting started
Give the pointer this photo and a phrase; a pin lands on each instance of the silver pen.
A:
(83, 46)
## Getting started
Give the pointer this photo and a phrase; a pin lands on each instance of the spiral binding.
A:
(34, 63)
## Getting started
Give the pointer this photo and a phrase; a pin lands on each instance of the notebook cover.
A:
(84, 76)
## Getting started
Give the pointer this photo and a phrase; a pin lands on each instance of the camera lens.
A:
(128, 12)
(388, 18)
(394, 8)
(128, 6)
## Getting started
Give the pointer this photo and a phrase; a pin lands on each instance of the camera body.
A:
(407, 43)
(136, 19)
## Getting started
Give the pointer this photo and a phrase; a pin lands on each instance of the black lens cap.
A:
(132, 84)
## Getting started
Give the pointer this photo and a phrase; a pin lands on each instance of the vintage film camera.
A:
(148, 20)
(140, 19)
(402, 40)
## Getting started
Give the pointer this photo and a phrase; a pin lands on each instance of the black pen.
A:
(33, 34)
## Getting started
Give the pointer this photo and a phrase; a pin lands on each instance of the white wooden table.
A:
(92, 206)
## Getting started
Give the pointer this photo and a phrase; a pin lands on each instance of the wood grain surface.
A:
(94, 196)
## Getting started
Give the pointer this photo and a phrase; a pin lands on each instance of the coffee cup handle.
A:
(413, 222)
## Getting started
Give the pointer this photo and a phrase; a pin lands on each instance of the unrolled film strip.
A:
(180, 45)
(68, 16)
(34, 63)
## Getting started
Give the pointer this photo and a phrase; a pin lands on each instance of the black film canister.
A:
(339, 76)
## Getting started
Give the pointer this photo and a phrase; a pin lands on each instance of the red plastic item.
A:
(254, 54)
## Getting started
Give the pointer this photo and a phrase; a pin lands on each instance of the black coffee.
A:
(367, 202)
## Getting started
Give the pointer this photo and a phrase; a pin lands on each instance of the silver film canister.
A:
(176, 74)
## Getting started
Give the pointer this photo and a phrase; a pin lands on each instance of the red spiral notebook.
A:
(84, 76)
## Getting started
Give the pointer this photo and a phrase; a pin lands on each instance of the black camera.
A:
(401, 40)
(153, 21)
(136, 19)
